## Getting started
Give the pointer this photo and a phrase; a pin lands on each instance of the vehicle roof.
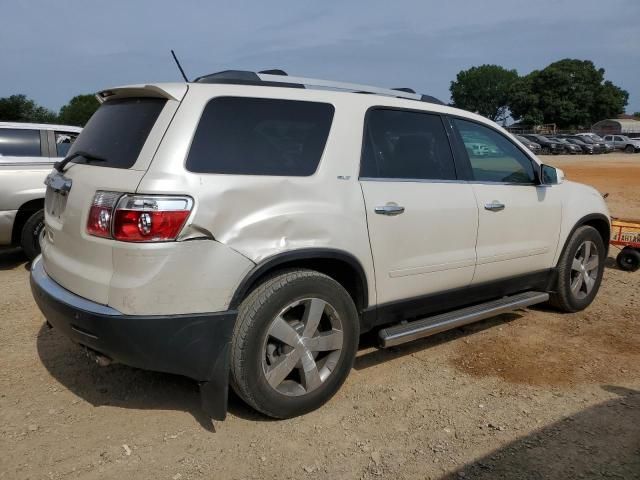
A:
(40, 126)
(177, 90)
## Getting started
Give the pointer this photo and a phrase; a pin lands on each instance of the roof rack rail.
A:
(279, 78)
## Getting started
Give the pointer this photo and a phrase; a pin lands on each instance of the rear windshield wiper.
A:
(59, 166)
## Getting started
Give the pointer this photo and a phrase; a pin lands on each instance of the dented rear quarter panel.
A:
(261, 216)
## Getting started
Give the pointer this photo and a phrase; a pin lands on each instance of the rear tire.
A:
(294, 343)
(580, 270)
(546, 150)
(32, 230)
(628, 259)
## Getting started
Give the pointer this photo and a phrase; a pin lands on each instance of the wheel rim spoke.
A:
(589, 282)
(325, 342)
(587, 250)
(284, 332)
(577, 284)
(592, 263)
(576, 265)
(310, 374)
(276, 374)
(312, 316)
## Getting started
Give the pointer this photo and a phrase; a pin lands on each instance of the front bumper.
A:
(196, 346)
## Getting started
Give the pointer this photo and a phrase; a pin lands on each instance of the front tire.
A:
(629, 149)
(294, 343)
(580, 270)
(30, 235)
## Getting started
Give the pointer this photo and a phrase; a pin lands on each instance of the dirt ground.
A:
(529, 395)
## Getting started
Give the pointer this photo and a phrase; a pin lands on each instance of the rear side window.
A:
(406, 145)
(16, 142)
(493, 157)
(259, 136)
(64, 140)
(118, 130)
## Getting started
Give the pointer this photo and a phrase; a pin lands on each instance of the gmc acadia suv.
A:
(245, 228)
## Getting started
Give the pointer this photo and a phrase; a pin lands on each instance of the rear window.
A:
(16, 142)
(118, 130)
(259, 136)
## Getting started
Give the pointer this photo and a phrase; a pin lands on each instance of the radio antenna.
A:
(179, 66)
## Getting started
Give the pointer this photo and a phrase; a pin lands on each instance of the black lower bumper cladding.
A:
(195, 345)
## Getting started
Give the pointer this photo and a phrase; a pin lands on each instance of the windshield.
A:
(117, 131)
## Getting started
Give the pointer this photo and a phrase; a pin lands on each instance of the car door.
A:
(422, 220)
(519, 220)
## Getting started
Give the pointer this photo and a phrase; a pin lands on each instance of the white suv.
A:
(245, 228)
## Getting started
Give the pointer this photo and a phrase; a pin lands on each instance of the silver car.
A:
(27, 154)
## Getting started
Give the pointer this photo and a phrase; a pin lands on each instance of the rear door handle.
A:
(389, 210)
(494, 206)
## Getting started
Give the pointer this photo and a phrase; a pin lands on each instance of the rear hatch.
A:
(114, 151)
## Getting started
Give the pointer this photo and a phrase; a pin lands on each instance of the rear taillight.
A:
(138, 218)
(101, 213)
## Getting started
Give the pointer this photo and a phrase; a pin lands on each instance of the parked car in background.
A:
(598, 147)
(588, 148)
(227, 230)
(533, 146)
(27, 154)
(606, 147)
(622, 142)
(547, 146)
(569, 147)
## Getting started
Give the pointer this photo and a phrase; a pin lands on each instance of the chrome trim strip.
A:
(53, 289)
(427, 180)
(414, 180)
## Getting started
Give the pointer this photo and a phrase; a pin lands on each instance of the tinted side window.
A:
(16, 142)
(260, 136)
(64, 140)
(493, 157)
(118, 130)
(407, 145)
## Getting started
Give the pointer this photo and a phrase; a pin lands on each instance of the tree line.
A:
(19, 108)
(570, 93)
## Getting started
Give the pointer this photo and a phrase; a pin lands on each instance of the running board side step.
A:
(406, 332)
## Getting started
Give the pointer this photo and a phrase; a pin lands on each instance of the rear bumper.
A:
(196, 346)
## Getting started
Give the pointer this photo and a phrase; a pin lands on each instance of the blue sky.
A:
(52, 50)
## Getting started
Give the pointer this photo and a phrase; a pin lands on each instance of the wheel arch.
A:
(342, 266)
(24, 212)
(598, 221)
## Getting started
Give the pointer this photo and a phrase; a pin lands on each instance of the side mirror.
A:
(550, 175)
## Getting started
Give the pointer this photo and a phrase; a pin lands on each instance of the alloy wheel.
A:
(584, 269)
(302, 347)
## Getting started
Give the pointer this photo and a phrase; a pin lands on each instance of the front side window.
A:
(406, 145)
(17, 142)
(260, 136)
(64, 140)
(493, 157)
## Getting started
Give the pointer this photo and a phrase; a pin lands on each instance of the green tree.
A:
(636, 114)
(78, 110)
(570, 93)
(19, 108)
(484, 89)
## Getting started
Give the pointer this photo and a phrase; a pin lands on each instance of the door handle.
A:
(389, 210)
(494, 206)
